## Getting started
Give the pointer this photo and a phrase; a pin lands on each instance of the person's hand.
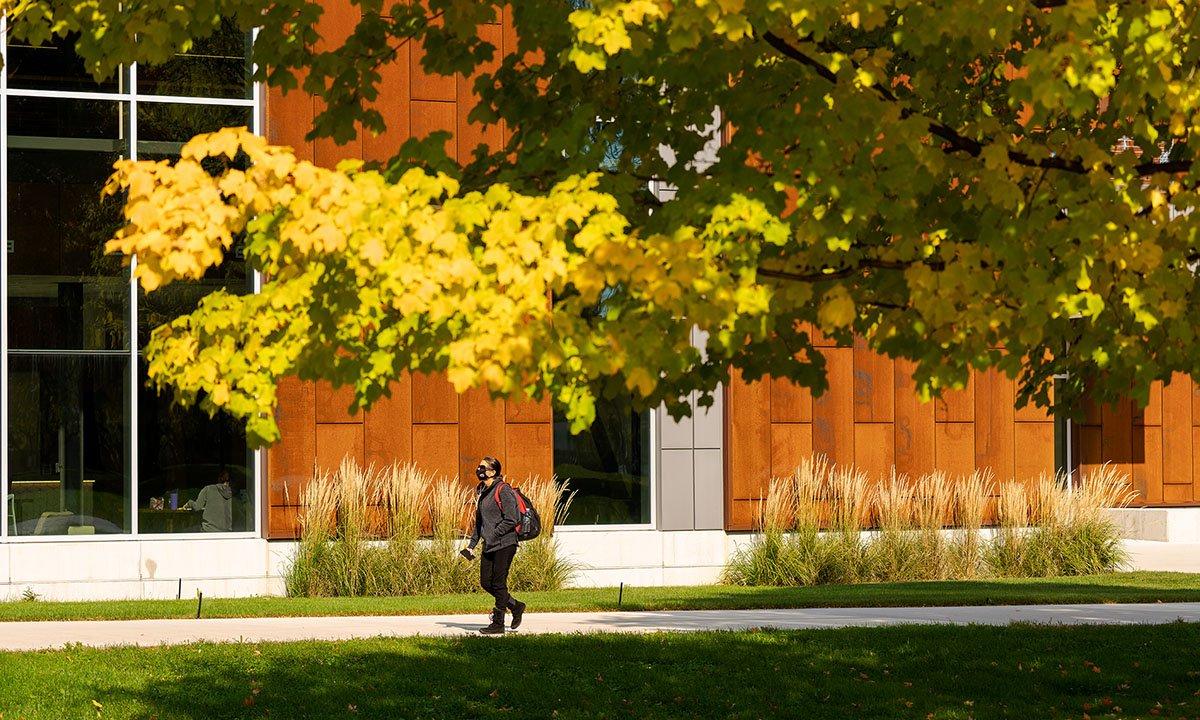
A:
(466, 552)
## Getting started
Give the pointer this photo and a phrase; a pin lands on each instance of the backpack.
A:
(530, 524)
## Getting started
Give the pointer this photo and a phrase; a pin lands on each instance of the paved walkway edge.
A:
(49, 635)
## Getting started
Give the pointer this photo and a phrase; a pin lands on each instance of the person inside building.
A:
(496, 518)
(216, 503)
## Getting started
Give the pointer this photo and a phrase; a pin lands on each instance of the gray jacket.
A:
(215, 502)
(495, 524)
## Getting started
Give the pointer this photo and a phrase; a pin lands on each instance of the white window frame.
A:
(655, 445)
(132, 97)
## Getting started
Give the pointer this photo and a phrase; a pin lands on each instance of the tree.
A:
(942, 178)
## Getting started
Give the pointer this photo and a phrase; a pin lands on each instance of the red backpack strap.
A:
(517, 495)
(520, 503)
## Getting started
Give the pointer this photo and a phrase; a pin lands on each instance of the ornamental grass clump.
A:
(834, 525)
(932, 501)
(849, 510)
(972, 496)
(539, 565)
(894, 552)
(398, 531)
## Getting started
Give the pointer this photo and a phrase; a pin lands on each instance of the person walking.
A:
(496, 517)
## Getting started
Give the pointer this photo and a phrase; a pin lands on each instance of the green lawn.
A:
(900, 672)
(1117, 587)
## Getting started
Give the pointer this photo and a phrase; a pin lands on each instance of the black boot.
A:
(518, 610)
(497, 626)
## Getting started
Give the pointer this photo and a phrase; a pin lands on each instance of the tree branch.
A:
(956, 141)
(864, 264)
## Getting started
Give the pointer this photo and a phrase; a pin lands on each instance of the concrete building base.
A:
(243, 567)
(1159, 524)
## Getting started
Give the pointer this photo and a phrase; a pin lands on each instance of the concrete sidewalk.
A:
(147, 633)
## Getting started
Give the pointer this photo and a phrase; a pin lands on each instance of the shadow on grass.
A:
(1117, 588)
(910, 672)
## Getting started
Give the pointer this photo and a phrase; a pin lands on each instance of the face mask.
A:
(481, 473)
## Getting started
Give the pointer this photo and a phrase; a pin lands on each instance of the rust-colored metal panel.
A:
(818, 338)
(435, 449)
(874, 449)
(790, 443)
(1178, 494)
(283, 523)
(1147, 471)
(336, 442)
(874, 394)
(387, 426)
(471, 135)
(914, 425)
(1196, 463)
(393, 103)
(742, 514)
(481, 430)
(995, 445)
(524, 411)
(1116, 435)
(429, 116)
(954, 448)
(956, 405)
(327, 152)
(529, 450)
(790, 403)
(333, 404)
(290, 461)
(1177, 442)
(1091, 455)
(433, 399)
(428, 86)
(335, 25)
(1152, 413)
(833, 412)
(1195, 401)
(1035, 450)
(288, 118)
(1031, 412)
(748, 438)
(1091, 412)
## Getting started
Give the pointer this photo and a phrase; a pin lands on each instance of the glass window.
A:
(72, 390)
(68, 443)
(216, 66)
(193, 470)
(608, 465)
(163, 128)
(54, 66)
(64, 292)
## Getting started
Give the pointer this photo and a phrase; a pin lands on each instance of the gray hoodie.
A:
(216, 504)
(495, 524)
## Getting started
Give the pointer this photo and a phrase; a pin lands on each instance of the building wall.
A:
(871, 418)
(424, 420)
(1158, 446)
(691, 466)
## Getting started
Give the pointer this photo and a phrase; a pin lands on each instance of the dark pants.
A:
(493, 575)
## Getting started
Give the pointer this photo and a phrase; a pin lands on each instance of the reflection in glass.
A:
(193, 470)
(608, 465)
(53, 66)
(68, 443)
(163, 128)
(216, 66)
(64, 292)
